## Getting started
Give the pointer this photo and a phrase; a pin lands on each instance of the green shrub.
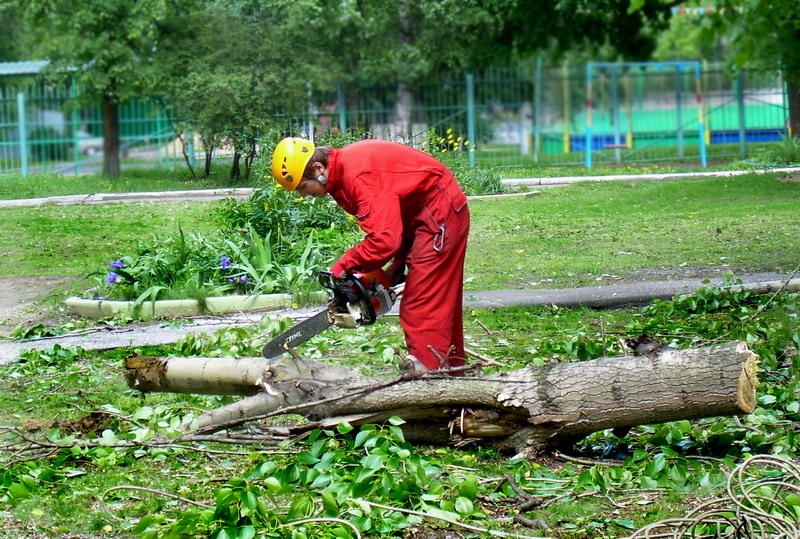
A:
(787, 152)
(480, 181)
(454, 152)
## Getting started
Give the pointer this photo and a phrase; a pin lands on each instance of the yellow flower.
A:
(449, 130)
(266, 206)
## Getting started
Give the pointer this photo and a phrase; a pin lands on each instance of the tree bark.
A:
(531, 410)
(405, 97)
(793, 94)
(111, 165)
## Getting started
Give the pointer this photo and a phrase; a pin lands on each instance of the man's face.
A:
(312, 186)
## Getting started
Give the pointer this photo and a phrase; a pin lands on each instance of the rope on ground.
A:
(761, 503)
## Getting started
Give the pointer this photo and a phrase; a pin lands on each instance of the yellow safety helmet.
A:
(289, 161)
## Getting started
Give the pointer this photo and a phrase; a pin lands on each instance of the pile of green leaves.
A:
(372, 480)
(323, 491)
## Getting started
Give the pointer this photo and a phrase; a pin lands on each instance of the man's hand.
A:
(339, 271)
(396, 273)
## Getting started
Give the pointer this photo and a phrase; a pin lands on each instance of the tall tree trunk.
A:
(405, 98)
(793, 91)
(184, 138)
(405, 102)
(111, 166)
(235, 170)
(249, 158)
(209, 154)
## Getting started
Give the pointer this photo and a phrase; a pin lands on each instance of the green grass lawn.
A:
(599, 232)
(77, 239)
(582, 234)
(585, 233)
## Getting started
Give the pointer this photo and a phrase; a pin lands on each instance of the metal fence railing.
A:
(522, 117)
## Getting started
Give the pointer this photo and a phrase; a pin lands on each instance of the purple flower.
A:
(244, 279)
(231, 280)
(112, 277)
(117, 264)
(225, 262)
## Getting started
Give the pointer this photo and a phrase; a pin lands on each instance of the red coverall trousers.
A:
(431, 305)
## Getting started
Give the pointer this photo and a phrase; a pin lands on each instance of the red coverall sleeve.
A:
(380, 218)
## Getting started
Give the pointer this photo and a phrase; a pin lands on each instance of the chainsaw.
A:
(357, 300)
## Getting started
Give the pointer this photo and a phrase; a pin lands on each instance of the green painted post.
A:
(588, 144)
(615, 113)
(76, 150)
(679, 109)
(470, 82)
(23, 133)
(740, 104)
(537, 107)
(190, 147)
(159, 138)
(342, 108)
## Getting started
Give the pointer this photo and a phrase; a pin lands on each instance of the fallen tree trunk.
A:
(534, 409)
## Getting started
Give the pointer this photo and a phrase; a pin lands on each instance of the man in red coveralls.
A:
(413, 213)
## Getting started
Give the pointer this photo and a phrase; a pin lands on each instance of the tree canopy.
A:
(226, 67)
(109, 48)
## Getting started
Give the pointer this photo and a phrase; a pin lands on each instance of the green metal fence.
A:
(44, 129)
(523, 117)
(625, 113)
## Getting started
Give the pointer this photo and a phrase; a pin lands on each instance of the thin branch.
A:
(448, 520)
(487, 330)
(587, 462)
(155, 491)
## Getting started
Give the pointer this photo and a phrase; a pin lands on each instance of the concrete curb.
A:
(142, 196)
(91, 308)
(640, 177)
(244, 192)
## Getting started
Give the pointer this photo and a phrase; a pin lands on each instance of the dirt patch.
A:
(789, 178)
(23, 299)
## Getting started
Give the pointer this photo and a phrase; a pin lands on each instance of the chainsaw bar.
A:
(297, 334)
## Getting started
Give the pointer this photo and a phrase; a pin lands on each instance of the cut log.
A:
(535, 409)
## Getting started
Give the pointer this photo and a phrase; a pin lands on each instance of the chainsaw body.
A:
(359, 299)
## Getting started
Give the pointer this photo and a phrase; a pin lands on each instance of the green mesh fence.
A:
(530, 115)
